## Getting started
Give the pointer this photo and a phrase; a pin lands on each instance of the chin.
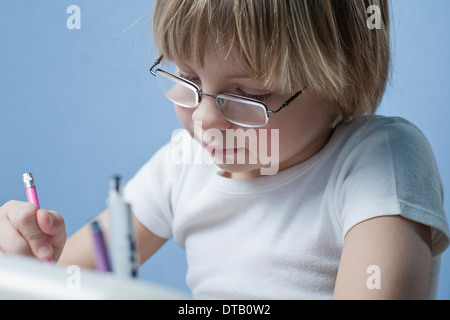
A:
(242, 171)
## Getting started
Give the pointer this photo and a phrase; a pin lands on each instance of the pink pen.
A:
(30, 189)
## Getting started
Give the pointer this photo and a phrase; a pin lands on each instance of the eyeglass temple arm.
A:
(286, 103)
(158, 61)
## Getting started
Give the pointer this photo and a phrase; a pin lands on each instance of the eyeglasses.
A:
(242, 111)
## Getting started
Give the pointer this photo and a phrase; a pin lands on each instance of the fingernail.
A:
(43, 251)
(50, 217)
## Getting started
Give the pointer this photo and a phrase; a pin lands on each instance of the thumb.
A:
(52, 224)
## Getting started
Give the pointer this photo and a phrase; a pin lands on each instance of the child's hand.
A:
(27, 230)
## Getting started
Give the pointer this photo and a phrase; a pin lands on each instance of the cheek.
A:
(285, 135)
(185, 117)
(298, 129)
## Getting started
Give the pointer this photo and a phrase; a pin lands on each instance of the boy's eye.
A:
(262, 98)
(194, 79)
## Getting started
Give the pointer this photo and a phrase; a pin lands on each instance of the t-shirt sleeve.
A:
(149, 193)
(391, 170)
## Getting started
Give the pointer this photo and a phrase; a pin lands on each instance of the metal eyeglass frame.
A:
(200, 93)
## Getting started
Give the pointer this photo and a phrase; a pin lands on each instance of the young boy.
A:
(347, 205)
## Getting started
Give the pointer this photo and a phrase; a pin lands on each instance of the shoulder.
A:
(382, 149)
(385, 166)
(157, 184)
(379, 127)
(385, 141)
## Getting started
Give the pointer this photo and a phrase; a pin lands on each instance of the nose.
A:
(208, 115)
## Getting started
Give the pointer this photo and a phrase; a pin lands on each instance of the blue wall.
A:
(79, 105)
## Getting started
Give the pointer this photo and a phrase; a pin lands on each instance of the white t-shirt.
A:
(281, 236)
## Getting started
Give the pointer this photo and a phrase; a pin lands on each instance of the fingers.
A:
(12, 241)
(22, 217)
(52, 224)
(40, 230)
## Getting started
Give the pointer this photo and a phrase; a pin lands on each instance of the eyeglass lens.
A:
(235, 109)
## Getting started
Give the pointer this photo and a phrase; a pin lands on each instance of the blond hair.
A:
(323, 44)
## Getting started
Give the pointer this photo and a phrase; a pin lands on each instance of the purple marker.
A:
(101, 252)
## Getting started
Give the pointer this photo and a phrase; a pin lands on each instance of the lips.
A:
(219, 150)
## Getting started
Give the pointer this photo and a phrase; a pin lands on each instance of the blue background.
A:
(79, 105)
